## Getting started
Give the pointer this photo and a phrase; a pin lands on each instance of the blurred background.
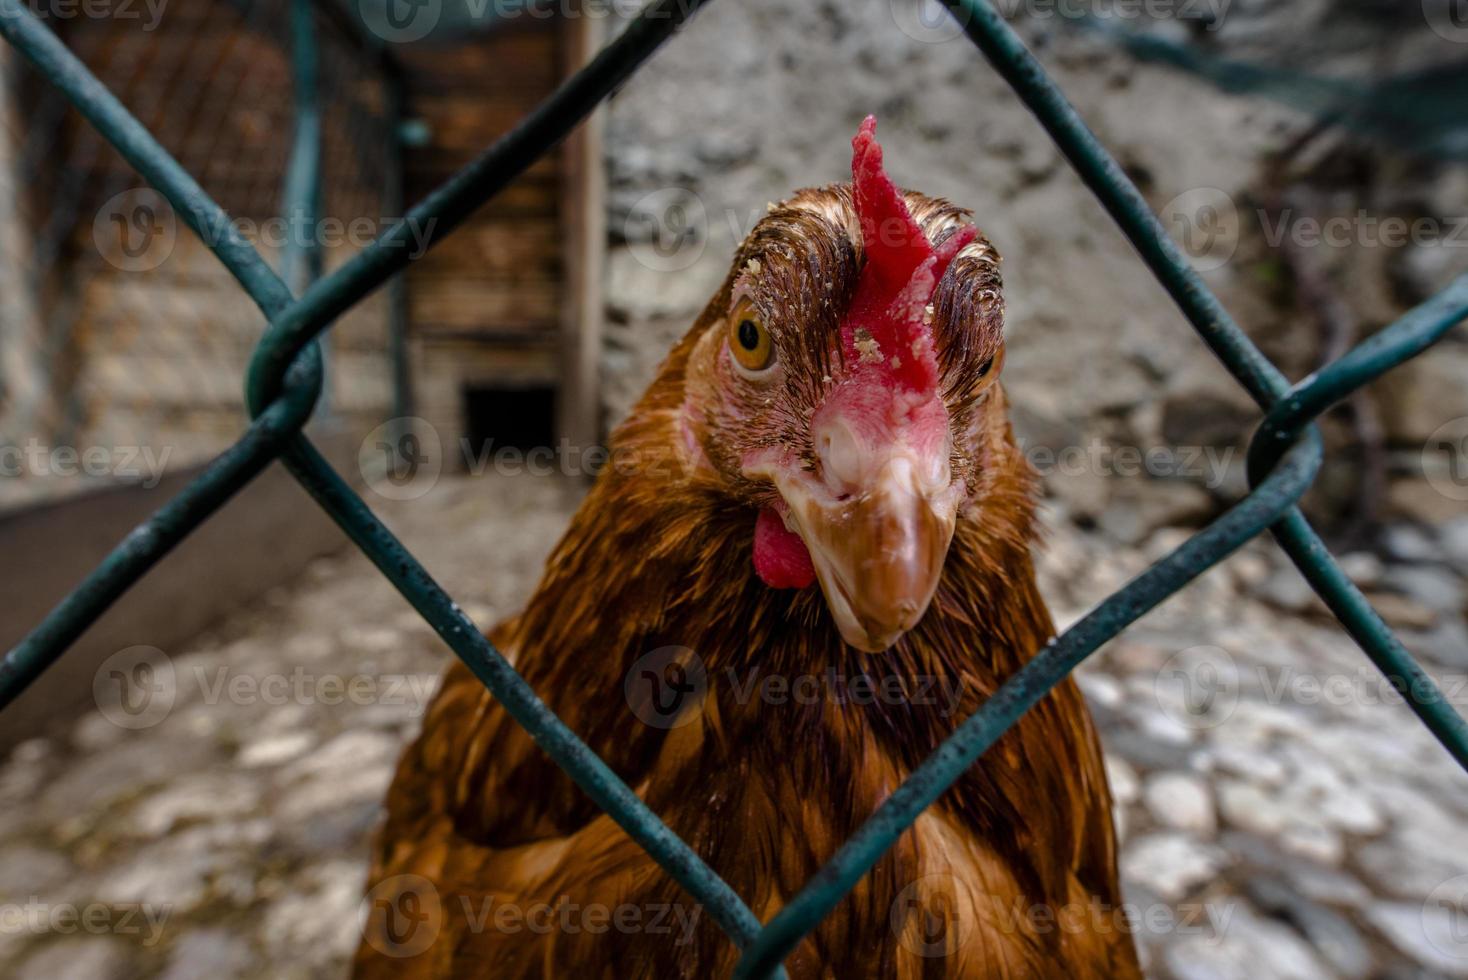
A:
(192, 790)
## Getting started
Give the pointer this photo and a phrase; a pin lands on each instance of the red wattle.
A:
(780, 557)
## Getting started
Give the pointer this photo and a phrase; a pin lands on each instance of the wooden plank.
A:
(497, 249)
(467, 306)
(583, 218)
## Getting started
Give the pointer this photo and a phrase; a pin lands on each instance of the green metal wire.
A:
(285, 378)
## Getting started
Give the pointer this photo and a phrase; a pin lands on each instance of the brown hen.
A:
(832, 416)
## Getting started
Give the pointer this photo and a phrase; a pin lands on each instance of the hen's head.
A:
(841, 385)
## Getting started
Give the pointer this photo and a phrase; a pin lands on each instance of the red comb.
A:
(885, 329)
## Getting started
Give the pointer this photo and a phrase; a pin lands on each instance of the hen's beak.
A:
(877, 521)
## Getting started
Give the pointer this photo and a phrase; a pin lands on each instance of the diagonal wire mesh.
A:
(76, 366)
(286, 376)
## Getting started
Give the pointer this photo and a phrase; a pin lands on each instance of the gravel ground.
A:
(1283, 815)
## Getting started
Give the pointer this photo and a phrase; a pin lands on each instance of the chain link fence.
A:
(123, 339)
(285, 381)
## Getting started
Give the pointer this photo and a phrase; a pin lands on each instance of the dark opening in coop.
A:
(510, 417)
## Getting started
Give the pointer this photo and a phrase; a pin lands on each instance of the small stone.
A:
(175, 872)
(1436, 588)
(209, 797)
(1248, 807)
(213, 953)
(1142, 508)
(1398, 871)
(1181, 801)
(94, 732)
(27, 871)
(1249, 569)
(1330, 933)
(1406, 542)
(347, 752)
(77, 958)
(371, 640)
(1446, 643)
(309, 646)
(318, 923)
(1402, 612)
(313, 799)
(1313, 840)
(1431, 933)
(275, 749)
(1362, 568)
(1248, 947)
(1286, 589)
(1172, 864)
(32, 750)
(1327, 884)
(1254, 763)
(1123, 779)
(1100, 689)
(1454, 538)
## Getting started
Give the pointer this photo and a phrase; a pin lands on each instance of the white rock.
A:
(1172, 864)
(317, 924)
(1313, 840)
(27, 871)
(275, 749)
(83, 957)
(1256, 764)
(1100, 688)
(1250, 808)
(348, 751)
(1249, 948)
(1181, 801)
(1123, 779)
(212, 953)
(1454, 537)
(212, 796)
(1431, 934)
(1362, 567)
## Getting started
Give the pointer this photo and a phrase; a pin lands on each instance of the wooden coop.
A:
(120, 330)
(121, 327)
(504, 313)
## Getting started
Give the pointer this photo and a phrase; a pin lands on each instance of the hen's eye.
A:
(986, 367)
(749, 341)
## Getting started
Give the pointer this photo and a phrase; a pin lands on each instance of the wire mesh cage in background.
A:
(122, 333)
(285, 380)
